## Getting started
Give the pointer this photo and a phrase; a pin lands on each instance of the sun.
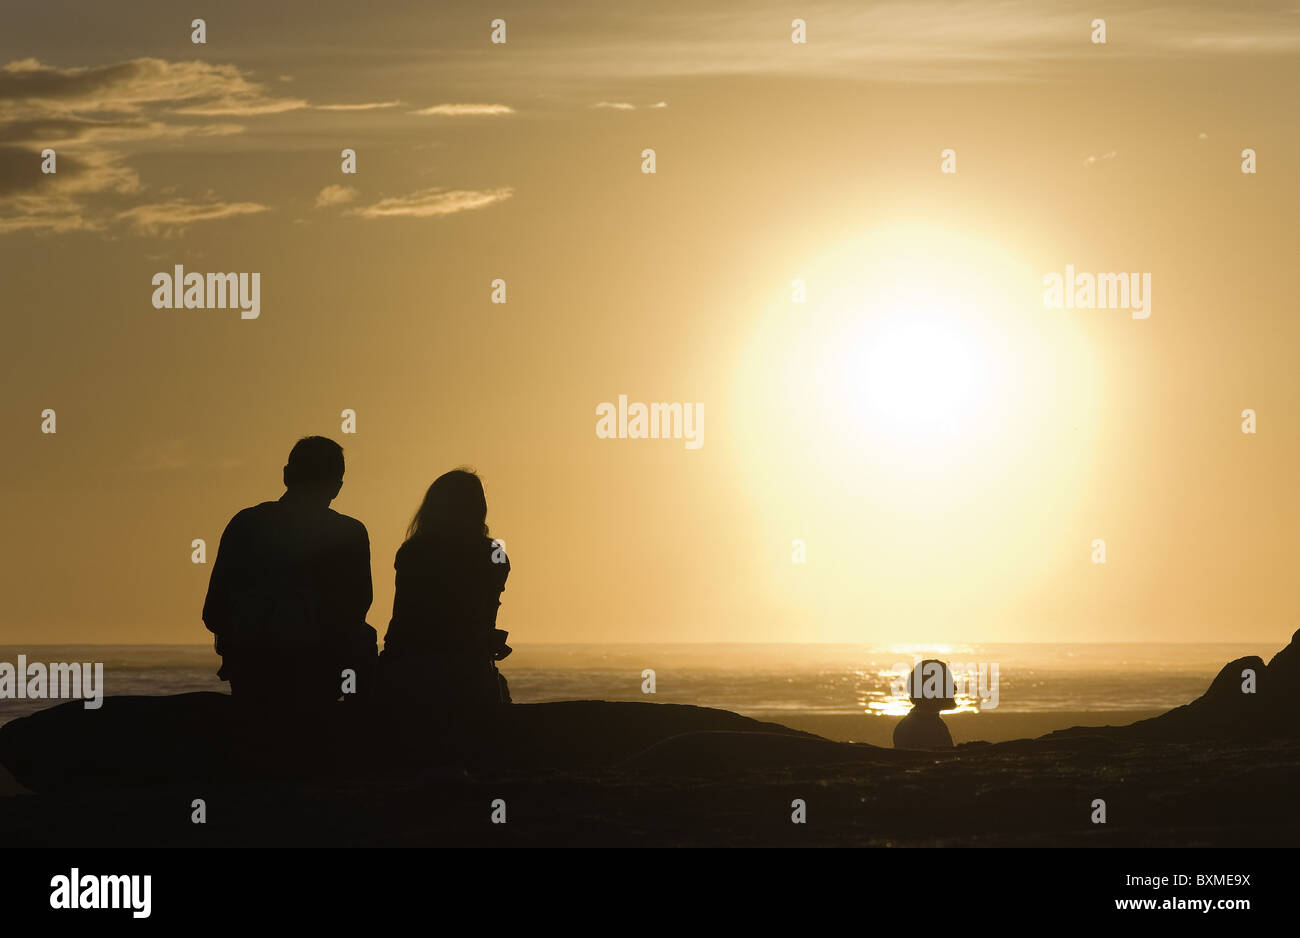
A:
(918, 353)
(908, 332)
(917, 416)
(920, 373)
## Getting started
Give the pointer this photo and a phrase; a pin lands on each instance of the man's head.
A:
(315, 468)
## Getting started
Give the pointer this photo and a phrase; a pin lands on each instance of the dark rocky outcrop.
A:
(1228, 710)
(136, 741)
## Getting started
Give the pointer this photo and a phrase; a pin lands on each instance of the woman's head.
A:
(454, 505)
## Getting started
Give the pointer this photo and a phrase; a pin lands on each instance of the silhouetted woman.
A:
(442, 645)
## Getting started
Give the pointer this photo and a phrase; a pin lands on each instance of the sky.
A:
(921, 450)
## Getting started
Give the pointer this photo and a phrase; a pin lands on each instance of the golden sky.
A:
(946, 447)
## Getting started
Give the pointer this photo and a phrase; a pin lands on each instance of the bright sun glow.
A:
(902, 415)
(919, 374)
(909, 340)
(898, 355)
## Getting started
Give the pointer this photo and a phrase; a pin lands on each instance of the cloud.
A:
(48, 220)
(174, 455)
(430, 202)
(1244, 43)
(172, 218)
(335, 195)
(237, 106)
(190, 87)
(369, 106)
(94, 118)
(908, 41)
(466, 110)
(627, 106)
(161, 456)
(1092, 160)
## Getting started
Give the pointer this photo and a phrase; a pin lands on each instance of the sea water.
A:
(760, 679)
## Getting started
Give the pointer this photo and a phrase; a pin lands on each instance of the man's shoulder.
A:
(347, 524)
(253, 513)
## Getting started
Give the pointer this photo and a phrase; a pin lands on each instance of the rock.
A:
(135, 741)
(1288, 659)
(204, 737)
(9, 785)
(1225, 711)
(720, 752)
(1282, 683)
(592, 733)
(128, 741)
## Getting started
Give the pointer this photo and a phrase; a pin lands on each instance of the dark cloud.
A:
(95, 118)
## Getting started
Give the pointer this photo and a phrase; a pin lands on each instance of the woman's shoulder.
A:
(415, 553)
(433, 549)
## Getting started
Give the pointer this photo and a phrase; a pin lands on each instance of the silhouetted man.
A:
(290, 588)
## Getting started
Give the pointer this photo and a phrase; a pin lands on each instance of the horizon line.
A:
(920, 645)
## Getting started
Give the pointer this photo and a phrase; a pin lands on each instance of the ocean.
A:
(771, 681)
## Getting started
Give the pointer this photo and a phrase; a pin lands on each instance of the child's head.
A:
(931, 687)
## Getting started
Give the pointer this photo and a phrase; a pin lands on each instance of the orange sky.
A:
(970, 521)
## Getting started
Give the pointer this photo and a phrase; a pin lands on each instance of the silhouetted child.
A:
(931, 689)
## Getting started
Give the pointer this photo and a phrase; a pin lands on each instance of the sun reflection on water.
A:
(887, 703)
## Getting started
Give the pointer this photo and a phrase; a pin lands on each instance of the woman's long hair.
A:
(454, 506)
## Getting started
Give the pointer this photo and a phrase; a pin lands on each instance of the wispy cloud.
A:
(335, 195)
(913, 41)
(466, 110)
(47, 218)
(94, 117)
(160, 456)
(172, 218)
(368, 106)
(239, 106)
(173, 455)
(1250, 42)
(188, 87)
(627, 105)
(431, 202)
